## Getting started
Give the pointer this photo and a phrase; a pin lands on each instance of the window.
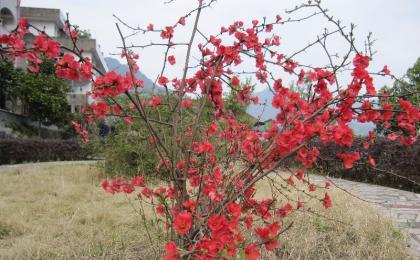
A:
(6, 17)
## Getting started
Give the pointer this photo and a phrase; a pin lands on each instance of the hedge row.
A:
(41, 150)
(397, 165)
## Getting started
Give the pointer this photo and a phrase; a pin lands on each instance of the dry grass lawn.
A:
(60, 212)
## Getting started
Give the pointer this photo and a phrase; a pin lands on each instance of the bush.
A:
(126, 148)
(41, 150)
(126, 151)
(397, 165)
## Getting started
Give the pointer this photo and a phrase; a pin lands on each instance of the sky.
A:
(395, 26)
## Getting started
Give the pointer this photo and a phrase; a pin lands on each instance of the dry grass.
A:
(361, 232)
(60, 212)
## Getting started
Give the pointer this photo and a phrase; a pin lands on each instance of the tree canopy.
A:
(407, 88)
(42, 93)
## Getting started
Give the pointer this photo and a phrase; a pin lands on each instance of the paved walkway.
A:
(402, 206)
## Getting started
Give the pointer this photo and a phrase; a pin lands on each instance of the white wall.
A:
(49, 28)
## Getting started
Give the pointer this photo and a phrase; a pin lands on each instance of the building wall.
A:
(50, 28)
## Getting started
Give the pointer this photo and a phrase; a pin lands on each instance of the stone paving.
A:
(402, 206)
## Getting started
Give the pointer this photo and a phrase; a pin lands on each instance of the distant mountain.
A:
(268, 112)
(114, 64)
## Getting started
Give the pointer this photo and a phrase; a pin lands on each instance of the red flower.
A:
(327, 201)
(163, 80)
(307, 157)
(371, 161)
(110, 84)
(86, 70)
(291, 181)
(284, 211)
(155, 101)
(349, 158)
(205, 147)
(186, 103)
(74, 34)
(150, 27)
(50, 47)
(146, 192)
(234, 209)
(248, 222)
(235, 81)
(171, 60)
(215, 223)
(361, 61)
(212, 129)
(171, 252)
(300, 204)
(128, 120)
(137, 181)
(167, 33)
(67, 68)
(252, 252)
(385, 70)
(268, 234)
(106, 186)
(343, 135)
(23, 24)
(160, 209)
(189, 204)
(393, 136)
(255, 100)
(300, 174)
(180, 165)
(182, 21)
(183, 222)
(100, 109)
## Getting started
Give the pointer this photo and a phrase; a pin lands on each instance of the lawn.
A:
(60, 212)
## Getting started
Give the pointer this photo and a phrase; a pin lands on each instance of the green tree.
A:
(7, 72)
(45, 97)
(42, 93)
(407, 88)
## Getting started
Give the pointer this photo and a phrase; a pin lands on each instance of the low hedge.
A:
(397, 165)
(41, 150)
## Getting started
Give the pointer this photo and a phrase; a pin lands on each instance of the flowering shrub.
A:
(208, 202)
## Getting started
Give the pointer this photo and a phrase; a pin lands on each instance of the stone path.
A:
(402, 206)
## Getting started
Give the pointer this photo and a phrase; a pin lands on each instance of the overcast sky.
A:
(395, 25)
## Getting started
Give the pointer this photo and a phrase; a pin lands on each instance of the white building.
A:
(52, 21)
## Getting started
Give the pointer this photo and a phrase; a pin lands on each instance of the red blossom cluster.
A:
(209, 204)
(68, 68)
(42, 47)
